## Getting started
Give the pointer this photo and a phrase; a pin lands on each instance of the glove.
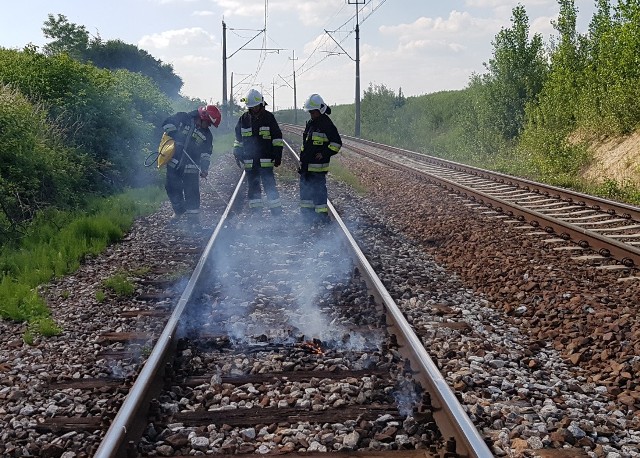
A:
(277, 161)
(204, 174)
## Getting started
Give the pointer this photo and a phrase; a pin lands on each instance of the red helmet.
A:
(211, 114)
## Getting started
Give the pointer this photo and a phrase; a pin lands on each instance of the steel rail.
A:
(123, 426)
(450, 417)
(453, 420)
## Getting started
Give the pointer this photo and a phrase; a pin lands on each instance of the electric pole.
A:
(225, 105)
(357, 126)
(295, 101)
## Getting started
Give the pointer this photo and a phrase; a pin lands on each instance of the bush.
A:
(36, 169)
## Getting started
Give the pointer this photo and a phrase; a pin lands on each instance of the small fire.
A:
(312, 346)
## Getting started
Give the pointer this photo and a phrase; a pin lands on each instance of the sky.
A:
(416, 46)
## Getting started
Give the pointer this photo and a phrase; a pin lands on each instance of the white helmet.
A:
(253, 98)
(315, 102)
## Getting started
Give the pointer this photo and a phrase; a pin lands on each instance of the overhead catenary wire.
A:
(303, 68)
(323, 45)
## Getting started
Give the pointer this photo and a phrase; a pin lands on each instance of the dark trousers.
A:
(183, 190)
(313, 193)
(257, 178)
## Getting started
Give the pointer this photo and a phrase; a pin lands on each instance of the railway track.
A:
(590, 228)
(286, 341)
(517, 390)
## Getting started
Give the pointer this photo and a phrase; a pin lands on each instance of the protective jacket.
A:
(193, 148)
(320, 136)
(198, 147)
(258, 140)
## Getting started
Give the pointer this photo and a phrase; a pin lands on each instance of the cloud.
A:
(246, 8)
(203, 13)
(505, 3)
(314, 13)
(194, 39)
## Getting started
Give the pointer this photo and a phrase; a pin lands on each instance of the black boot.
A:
(322, 219)
(308, 215)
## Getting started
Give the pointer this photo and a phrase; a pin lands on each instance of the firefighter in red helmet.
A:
(320, 141)
(193, 147)
(258, 149)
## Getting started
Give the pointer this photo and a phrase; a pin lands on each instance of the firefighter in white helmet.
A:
(258, 149)
(320, 141)
(193, 147)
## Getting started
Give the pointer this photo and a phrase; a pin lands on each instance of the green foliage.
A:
(120, 285)
(115, 54)
(343, 116)
(479, 137)
(36, 169)
(623, 192)
(55, 243)
(101, 296)
(72, 39)
(516, 74)
(339, 172)
(94, 127)
(298, 117)
(609, 98)
(552, 158)
(67, 37)
(19, 301)
(46, 327)
(377, 109)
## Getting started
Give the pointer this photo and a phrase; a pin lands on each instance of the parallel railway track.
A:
(610, 229)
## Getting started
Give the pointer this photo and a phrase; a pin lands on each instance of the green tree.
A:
(67, 37)
(378, 106)
(516, 74)
(110, 116)
(620, 48)
(74, 40)
(558, 99)
(553, 119)
(115, 54)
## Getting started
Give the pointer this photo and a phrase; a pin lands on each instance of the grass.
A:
(55, 244)
(341, 173)
(120, 285)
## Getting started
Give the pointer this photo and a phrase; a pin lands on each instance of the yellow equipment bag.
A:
(165, 150)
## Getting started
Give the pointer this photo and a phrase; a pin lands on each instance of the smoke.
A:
(277, 281)
(406, 396)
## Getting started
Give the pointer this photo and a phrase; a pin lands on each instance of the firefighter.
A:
(258, 149)
(193, 148)
(320, 141)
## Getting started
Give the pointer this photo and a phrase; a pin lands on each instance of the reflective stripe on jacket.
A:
(258, 140)
(320, 137)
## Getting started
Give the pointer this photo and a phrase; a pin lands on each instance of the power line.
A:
(302, 69)
(323, 45)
